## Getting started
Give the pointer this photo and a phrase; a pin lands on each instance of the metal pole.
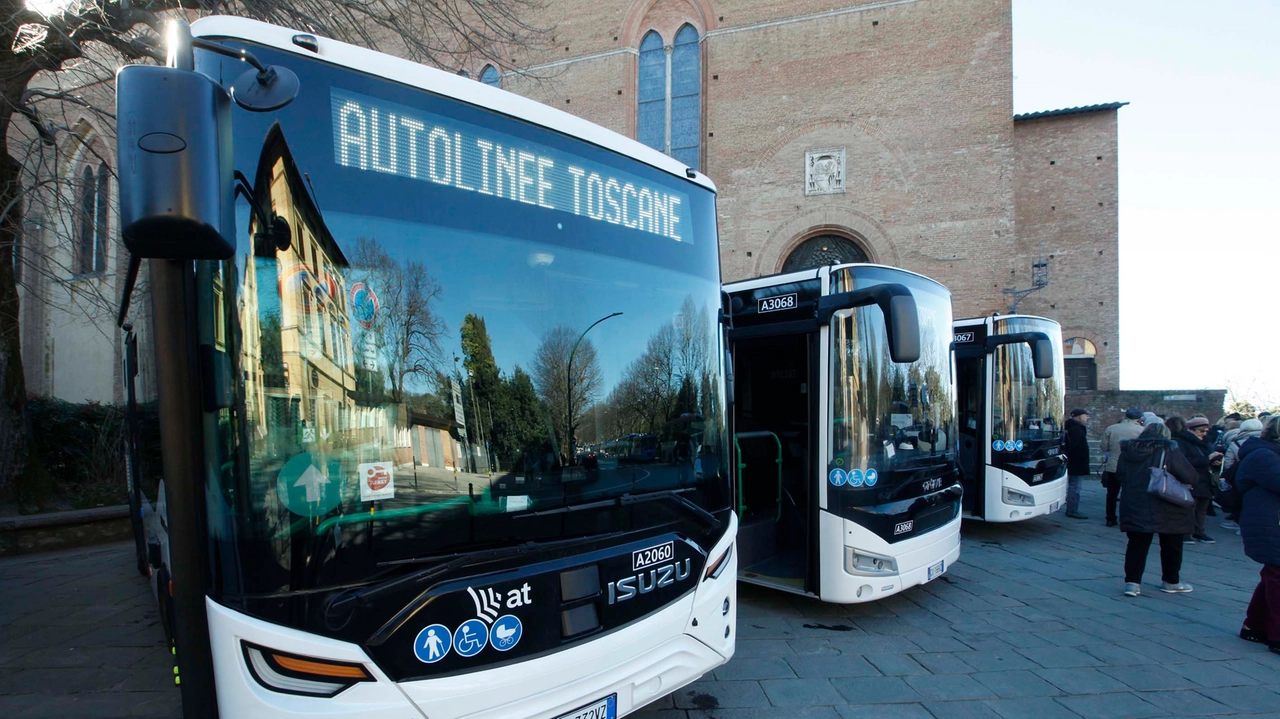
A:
(568, 388)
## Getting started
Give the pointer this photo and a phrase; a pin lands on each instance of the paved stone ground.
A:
(1030, 623)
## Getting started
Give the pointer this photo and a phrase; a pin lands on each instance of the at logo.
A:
(904, 527)
(489, 602)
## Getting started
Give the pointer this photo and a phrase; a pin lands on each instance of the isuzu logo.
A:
(643, 582)
(904, 527)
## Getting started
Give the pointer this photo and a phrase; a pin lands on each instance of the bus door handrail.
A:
(743, 465)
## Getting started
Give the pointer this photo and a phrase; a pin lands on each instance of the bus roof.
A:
(446, 84)
(811, 273)
(992, 318)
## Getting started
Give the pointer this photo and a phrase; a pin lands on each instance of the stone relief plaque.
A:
(824, 171)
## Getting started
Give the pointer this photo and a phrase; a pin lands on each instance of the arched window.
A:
(824, 250)
(686, 86)
(92, 210)
(652, 99)
(669, 114)
(1081, 366)
(489, 76)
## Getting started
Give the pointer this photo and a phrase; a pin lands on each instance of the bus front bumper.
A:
(1027, 501)
(639, 663)
(918, 560)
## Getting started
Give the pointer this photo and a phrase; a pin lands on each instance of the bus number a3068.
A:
(779, 302)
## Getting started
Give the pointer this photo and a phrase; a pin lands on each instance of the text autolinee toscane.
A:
(381, 137)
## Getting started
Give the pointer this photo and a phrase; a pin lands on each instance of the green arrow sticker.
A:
(308, 490)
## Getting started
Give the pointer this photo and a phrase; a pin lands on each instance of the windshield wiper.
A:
(675, 496)
(367, 593)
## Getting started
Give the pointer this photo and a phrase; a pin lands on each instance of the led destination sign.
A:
(380, 136)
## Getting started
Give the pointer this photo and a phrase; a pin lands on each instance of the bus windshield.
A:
(440, 325)
(886, 417)
(1024, 408)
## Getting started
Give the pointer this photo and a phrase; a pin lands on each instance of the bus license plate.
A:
(937, 570)
(606, 708)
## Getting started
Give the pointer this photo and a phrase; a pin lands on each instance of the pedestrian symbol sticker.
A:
(855, 478)
(432, 644)
(505, 633)
(306, 488)
(872, 477)
(838, 477)
(998, 445)
(470, 638)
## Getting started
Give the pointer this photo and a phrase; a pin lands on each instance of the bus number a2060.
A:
(653, 555)
(780, 302)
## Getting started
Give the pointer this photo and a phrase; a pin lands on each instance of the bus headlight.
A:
(1022, 499)
(867, 564)
(308, 676)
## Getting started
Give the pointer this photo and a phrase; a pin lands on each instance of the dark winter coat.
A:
(1197, 452)
(1141, 512)
(1077, 446)
(1258, 478)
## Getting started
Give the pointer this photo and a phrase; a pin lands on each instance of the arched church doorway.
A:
(823, 250)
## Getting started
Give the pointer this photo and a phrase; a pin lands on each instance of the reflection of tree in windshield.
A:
(406, 330)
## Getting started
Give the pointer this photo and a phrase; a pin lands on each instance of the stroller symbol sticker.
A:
(505, 633)
(432, 643)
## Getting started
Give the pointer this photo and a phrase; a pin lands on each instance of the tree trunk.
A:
(13, 385)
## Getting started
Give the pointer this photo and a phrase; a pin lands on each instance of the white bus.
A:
(843, 413)
(1009, 390)
(389, 303)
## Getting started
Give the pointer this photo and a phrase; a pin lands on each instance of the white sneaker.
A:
(1179, 588)
(1132, 589)
(1230, 525)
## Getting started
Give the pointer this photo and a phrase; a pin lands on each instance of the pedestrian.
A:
(1218, 432)
(1248, 429)
(1077, 441)
(1189, 436)
(1129, 427)
(1150, 418)
(1258, 478)
(1142, 515)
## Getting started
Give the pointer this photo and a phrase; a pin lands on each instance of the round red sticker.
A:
(377, 477)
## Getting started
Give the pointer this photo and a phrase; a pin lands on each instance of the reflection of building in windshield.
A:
(297, 353)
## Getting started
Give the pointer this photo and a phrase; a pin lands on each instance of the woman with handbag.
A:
(1154, 456)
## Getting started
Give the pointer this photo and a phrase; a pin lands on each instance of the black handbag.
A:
(1167, 487)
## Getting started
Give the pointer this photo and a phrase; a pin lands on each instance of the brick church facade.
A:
(881, 131)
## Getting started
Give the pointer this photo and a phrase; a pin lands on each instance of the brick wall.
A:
(1066, 198)
(1106, 407)
(920, 95)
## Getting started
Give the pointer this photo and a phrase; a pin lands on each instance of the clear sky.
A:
(1199, 174)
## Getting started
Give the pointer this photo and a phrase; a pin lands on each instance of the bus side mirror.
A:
(176, 169)
(896, 303)
(729, 387)
(1042, 357)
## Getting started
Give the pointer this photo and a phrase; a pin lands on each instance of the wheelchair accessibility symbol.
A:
(505, 633)
(470, 637)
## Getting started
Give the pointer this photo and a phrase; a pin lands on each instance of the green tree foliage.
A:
(520, 420)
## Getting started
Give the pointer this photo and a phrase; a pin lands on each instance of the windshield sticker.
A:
(872, 477)
(306, 489)
(838, 477)
(380, 136)
(364, 305)
(432, 644)
(998, 445)
(471, 636)
(856, 478)
(505, 633)
(377, 481)
(1018, 445)
(489, 601)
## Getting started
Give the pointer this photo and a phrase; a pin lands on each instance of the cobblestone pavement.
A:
(1030, 623)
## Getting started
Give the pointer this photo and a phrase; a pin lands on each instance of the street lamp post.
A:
(568, 389)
